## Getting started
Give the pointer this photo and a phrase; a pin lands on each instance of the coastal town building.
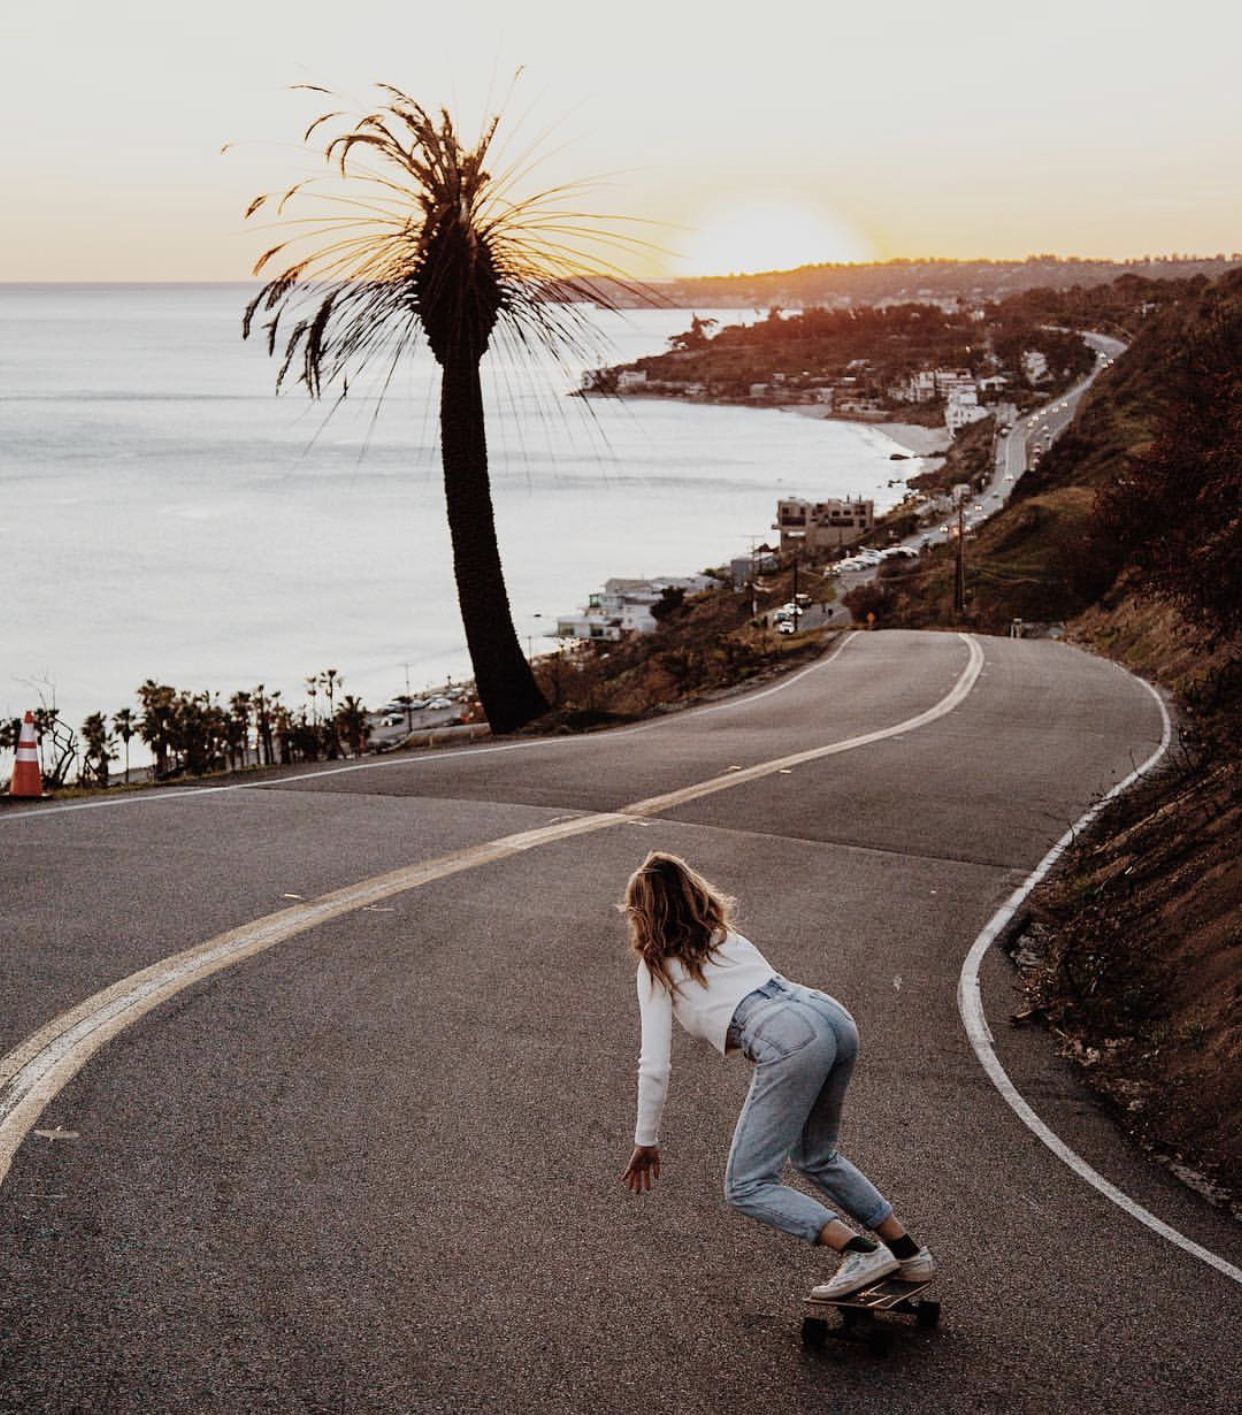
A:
(743, 568)
(950, 380)
(962, 409)
(856, 403)
(822, 525)
(920, 387)
(624, 606)
(1035, 366)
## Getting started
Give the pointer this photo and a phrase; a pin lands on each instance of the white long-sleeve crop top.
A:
(703, 1009)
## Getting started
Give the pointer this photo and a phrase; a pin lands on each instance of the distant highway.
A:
(1040, 427)
(1046, 423)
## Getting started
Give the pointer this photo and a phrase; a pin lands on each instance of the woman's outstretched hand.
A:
(644, 1166)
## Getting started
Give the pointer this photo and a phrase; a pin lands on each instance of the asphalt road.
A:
(1043, 425)
(377, 1167)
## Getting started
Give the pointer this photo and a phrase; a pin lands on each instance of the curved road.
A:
(375, 1167)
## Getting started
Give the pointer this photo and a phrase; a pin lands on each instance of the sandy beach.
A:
(918, 440)
(921, 441)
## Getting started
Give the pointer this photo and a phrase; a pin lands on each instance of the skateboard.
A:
(858, 1320)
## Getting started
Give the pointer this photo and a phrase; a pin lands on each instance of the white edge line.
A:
(192, 793)
(970, 1006)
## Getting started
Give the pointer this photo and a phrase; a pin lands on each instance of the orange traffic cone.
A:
(27, 778)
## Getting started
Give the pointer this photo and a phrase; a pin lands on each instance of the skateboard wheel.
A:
(814, 1332)
(927, 1314)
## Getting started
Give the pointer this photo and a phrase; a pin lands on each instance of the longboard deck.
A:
(886, 1293)
(859, 1314)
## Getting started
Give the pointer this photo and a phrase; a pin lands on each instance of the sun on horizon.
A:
(755, 236)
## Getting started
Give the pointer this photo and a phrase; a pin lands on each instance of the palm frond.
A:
(432, 246)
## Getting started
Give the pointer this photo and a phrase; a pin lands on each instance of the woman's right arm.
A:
(655, 1007)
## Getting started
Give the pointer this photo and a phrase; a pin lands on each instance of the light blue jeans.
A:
(803, 1045)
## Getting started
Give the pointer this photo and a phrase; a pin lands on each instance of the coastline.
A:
(915, 438)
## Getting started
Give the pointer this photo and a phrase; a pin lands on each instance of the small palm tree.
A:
(430, 244)
(125, 725)
(352, 723)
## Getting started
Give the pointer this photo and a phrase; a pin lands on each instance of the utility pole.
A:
(754, 593)
(959, 581)
(409, 711)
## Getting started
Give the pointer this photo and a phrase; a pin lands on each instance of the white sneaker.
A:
(858, 1270)
(920, 1268)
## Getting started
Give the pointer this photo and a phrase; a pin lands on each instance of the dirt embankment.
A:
(1133, 956)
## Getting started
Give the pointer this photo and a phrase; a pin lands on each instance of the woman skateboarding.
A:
(693, 965)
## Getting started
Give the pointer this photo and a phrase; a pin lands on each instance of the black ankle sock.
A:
(903, 1247)
(860, 1245)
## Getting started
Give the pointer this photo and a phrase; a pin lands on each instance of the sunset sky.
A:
(752, 136)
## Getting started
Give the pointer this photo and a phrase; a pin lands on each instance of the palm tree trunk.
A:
(506, 686)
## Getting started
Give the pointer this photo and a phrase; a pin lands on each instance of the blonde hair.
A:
(674, 912)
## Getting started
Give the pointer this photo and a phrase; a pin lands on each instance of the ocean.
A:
(163, 515)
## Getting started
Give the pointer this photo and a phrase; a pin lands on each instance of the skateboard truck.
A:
(858, 1314)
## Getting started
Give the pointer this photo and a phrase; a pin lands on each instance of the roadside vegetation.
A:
(194, 734)
(705, 644)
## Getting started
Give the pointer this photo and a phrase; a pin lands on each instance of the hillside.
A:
(866, 283)
(1062, 543)
(1130, 533)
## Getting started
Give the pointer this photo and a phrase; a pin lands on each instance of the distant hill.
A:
(916, 280)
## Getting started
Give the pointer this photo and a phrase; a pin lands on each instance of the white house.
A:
(624, 607)
(1035, 365)
(962, 409)
(920, 387)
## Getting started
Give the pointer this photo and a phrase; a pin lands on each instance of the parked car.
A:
(802, 600)
(393, 719)
(787, 626)
(438, 703)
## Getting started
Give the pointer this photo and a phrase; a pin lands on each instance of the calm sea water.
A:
(163, 515)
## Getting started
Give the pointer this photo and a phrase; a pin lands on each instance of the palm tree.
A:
(237, 727)
(97, 750)
(331, 680)
(352, 723)
(432, 244)
(156, 726)
(125, 724)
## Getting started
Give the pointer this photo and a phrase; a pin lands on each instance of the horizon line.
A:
(1045, 258)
